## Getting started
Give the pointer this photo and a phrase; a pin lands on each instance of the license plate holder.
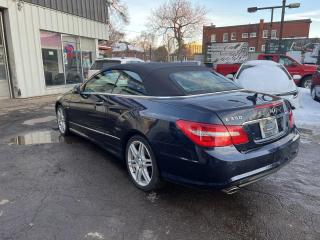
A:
(269, 127)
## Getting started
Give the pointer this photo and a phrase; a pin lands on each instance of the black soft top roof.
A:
(156, 76)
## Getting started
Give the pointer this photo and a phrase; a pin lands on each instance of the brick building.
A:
(255, 34)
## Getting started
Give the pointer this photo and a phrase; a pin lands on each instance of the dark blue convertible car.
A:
(181, 123)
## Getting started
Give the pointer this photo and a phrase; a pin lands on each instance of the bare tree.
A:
(118, 16)
(145, 40)
(161, 54)
(180, 19)
(114, 35)
(118, 10)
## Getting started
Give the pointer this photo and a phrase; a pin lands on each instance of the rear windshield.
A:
(246, 67)
(199, 82)
(102, 64)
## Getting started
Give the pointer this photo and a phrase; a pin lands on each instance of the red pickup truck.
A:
(294, 68)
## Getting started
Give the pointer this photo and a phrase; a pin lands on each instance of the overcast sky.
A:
(227, 12)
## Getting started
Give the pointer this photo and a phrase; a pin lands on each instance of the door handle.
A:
(99, 103)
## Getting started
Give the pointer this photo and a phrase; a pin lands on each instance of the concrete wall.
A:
(24, 47)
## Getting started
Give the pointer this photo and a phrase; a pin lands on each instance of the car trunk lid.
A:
(265, 118)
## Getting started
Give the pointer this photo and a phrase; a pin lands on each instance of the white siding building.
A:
(45, 49)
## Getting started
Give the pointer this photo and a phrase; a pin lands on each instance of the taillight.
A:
(213, 135)
(291, 119)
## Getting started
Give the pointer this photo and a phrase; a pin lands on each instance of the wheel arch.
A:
(126, 137)
(304, 78)
(57, 105)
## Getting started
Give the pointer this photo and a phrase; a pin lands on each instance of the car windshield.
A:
(198, 82)
(102, 64)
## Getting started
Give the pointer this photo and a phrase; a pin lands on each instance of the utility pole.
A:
(281, 26)
(271, 25)
(168, 42)
(150, 52)
(283, 7)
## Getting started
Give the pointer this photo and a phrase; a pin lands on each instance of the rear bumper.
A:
(226, 167)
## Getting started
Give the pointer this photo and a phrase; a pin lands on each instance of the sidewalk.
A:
(7, 105)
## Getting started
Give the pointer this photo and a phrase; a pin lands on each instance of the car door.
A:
(122, 104)
(292, 66)
(88, 108)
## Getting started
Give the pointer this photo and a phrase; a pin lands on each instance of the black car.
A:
(181, 123)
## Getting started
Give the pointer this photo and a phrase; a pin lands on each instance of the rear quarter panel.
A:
(155, 120)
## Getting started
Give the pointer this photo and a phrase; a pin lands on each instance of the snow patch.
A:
(4, 201)
(148, 235)
(152, 197)
(1, 213)
(308, 115)
(32, 122)
(94, 235)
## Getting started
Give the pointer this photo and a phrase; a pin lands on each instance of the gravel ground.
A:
(67, 188)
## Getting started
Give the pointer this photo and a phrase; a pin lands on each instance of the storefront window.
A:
(72, 59)
(66, 59)
(88, 47)
(52, 58)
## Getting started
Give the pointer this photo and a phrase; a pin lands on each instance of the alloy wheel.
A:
(61, 119)
(140, 163)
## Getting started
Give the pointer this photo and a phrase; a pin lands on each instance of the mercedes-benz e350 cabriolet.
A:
(181, 123)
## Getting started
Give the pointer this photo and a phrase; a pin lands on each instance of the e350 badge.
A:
(234, 118)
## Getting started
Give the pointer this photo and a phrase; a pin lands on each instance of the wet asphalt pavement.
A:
(57, 188)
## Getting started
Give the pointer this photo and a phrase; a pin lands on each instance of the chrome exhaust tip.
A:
(231, 190)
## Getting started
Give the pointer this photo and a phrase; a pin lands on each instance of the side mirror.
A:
(230, 76)
(296, 77)
(76, 89)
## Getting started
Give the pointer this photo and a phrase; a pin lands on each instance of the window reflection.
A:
(52, 58)
(66, 58)
(72, 59)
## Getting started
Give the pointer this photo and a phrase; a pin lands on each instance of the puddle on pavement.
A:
(41, 137)
(306, 131)
(306, 135)
(34, 121)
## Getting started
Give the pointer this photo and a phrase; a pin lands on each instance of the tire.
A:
(306, 82)
(313, 94)
(62, 121)
(141, 164)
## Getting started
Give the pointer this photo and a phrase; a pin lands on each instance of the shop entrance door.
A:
(72, 59)
(4, 75)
